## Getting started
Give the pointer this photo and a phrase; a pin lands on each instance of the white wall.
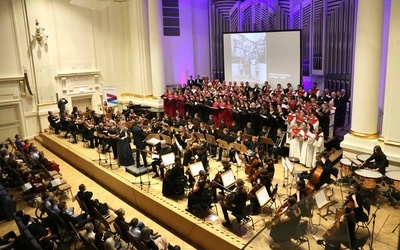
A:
(188, 54)
(101, 44)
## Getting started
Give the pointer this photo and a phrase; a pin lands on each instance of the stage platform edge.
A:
(188, 227)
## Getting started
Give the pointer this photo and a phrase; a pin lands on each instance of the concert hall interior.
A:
(199, 124)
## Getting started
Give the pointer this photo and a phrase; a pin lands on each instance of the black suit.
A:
(236, 205)
(78, 221)
(38, 231)
(86, 197)
(55, 123)
(139, 140)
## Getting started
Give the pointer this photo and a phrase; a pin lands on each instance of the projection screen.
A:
(257, 57)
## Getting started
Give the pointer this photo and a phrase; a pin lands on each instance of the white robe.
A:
(318, 146)
(307, 151)
(295, 145)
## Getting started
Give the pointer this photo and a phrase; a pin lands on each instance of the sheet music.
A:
(228, 178)
(178, 145)
(262, 196)
(55, 182)
(26, 187)
(195, 168)
(168, 159)
(289, 165)
(238, 160)
(283, 161)
(153, 141)
(320, 199)
(155, 156)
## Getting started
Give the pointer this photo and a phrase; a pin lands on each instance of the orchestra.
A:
(186, 138)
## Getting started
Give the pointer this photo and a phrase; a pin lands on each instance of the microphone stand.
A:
(373, 227)
(141, 182)
(98, 149)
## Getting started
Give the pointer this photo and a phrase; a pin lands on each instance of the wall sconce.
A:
(39, 35)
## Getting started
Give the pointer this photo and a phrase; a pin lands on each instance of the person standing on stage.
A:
(124, 146)
(139, 140)
(113, 132)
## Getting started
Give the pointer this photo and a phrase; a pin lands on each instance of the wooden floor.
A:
(384, 238)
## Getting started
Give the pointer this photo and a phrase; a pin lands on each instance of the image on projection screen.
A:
(262, 56)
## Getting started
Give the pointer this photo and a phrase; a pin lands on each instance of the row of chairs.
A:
(63, 186)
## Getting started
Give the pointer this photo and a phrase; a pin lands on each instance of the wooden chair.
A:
(86, 244)
(137, 243)
(103, 220)
(82, 205)
(118, 229)
(75, 233)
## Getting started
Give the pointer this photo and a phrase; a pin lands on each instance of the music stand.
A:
(168, 159)
(167, 138)
(267, 141)
(210, 139)
(141, 182)
(322, 201)
(228, 179)
(195, 168)
(247, 137)
(101, 136)
(200, 136)
(153, 139)
(223, 144)
(240, 147)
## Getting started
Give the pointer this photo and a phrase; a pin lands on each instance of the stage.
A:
(202, 230)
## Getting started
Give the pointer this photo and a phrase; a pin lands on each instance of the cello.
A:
(314, 180)
(253, 164)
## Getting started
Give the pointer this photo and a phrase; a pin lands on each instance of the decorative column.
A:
(156, 47)
(367, 64)
(390, 130)
(140, 50)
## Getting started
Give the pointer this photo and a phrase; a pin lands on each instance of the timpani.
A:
(394, 176)
(346, 166)
(368, 178)
(363, 158)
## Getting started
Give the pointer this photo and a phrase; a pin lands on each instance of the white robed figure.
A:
(307, 151)
(319, 146)
(296, 139)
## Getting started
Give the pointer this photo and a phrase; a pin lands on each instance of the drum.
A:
(368, 178)
(394, 176)
(345, 165)
(363, 157)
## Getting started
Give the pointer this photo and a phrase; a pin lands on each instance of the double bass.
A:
(339, 213)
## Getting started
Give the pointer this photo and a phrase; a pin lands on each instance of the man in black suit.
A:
(139, 140)
(162, 149)
(190, 82)
(54, 122)
(225, 137)
(77, 221)
(86, 198)
(236, 202)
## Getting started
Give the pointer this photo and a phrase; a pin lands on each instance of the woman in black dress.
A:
(124, 146)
